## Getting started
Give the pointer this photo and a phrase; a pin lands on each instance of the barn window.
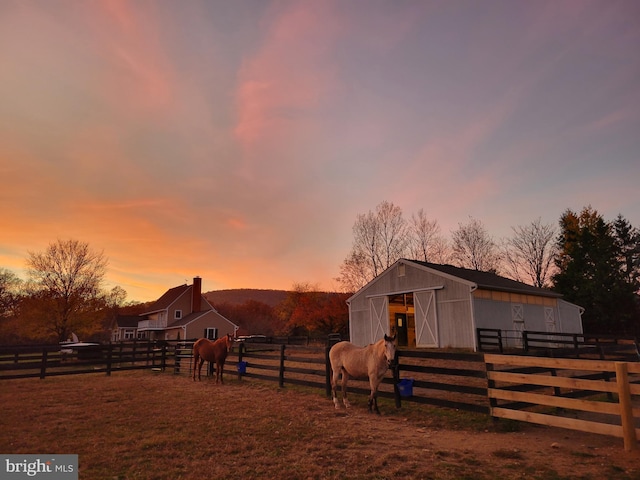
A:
(211, 333)
(178, 314)
(401, 270)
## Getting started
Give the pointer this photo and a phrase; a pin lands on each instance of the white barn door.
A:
(379, 312)
(426, 318)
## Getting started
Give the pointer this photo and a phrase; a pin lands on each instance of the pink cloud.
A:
(140, 73)
(291, 74)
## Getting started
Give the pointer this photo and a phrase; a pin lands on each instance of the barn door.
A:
(550, 323)
(517, 315)
(379, 309)
(426, 318)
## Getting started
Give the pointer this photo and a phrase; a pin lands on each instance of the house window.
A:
(129, 334)
(178, 314)
(211, 333)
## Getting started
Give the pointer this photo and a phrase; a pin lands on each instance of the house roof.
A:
(167, 299)
(127, 321)
(488, 280)
(194, 316)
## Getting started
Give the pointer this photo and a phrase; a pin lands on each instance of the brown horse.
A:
(371, 361)
(205, 349)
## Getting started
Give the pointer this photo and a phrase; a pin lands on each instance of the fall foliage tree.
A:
(64, 288)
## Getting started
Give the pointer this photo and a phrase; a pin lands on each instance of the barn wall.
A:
(454, 322)
(453, 304)
(570, 318)
(492, 314)
(359, 327)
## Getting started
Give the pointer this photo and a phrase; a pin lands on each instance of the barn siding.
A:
(569, 317)
(459, 309)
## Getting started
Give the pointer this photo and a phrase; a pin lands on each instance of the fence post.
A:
(327, 370)
(109, 359)
(396, 380)
(281, 379)
(43, 365)
(240, 351)
(626, 414)
(163, 361)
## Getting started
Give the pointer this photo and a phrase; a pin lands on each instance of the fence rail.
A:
(521, 387)
(575, 345)
(51, 360)
(506, 386)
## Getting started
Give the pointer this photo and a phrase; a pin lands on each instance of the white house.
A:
(441, 306)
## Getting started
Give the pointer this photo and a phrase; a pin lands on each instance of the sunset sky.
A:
(238, 140)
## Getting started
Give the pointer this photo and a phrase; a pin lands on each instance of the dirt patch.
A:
(144, 425)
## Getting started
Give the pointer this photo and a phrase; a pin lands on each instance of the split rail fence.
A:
(552, 391)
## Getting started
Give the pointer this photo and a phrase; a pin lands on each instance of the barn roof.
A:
(488, 280)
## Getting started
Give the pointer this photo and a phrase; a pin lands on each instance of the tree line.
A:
(63, 294)
(592, 262)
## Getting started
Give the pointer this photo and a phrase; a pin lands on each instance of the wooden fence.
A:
(453, 380)
(525, 388)
(50, 360)
(555, 344)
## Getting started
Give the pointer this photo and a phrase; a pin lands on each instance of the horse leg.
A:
(219, 367)
(334, 388)
(345, 379)
(373, 397)
(195, 364)
(200, 368)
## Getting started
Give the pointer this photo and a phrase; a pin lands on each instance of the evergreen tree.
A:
(591, 273)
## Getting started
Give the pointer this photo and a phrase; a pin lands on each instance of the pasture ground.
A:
(145, 425)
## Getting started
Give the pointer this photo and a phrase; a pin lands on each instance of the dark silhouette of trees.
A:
(530, 253)
(593, 273)
(474, 248)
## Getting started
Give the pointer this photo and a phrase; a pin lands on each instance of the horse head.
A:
(229, 342)
(390, 349)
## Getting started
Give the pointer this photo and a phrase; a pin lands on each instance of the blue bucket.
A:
(405, 387)
(242, 367)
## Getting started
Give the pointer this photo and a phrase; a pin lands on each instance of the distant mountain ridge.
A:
(239, 296)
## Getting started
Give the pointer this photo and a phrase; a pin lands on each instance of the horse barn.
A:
(440, 306)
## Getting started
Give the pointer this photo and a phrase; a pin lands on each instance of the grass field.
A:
(145, 425)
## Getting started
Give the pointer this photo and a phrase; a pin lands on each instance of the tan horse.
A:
(351, 361)
(205, 349)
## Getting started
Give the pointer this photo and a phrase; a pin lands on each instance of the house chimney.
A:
(197, 294)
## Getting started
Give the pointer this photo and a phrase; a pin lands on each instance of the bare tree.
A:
(474, 248)
(379, 239)
(393, 233)
(9, 293)
(67, 277)
(529, 254)
(426, 244)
